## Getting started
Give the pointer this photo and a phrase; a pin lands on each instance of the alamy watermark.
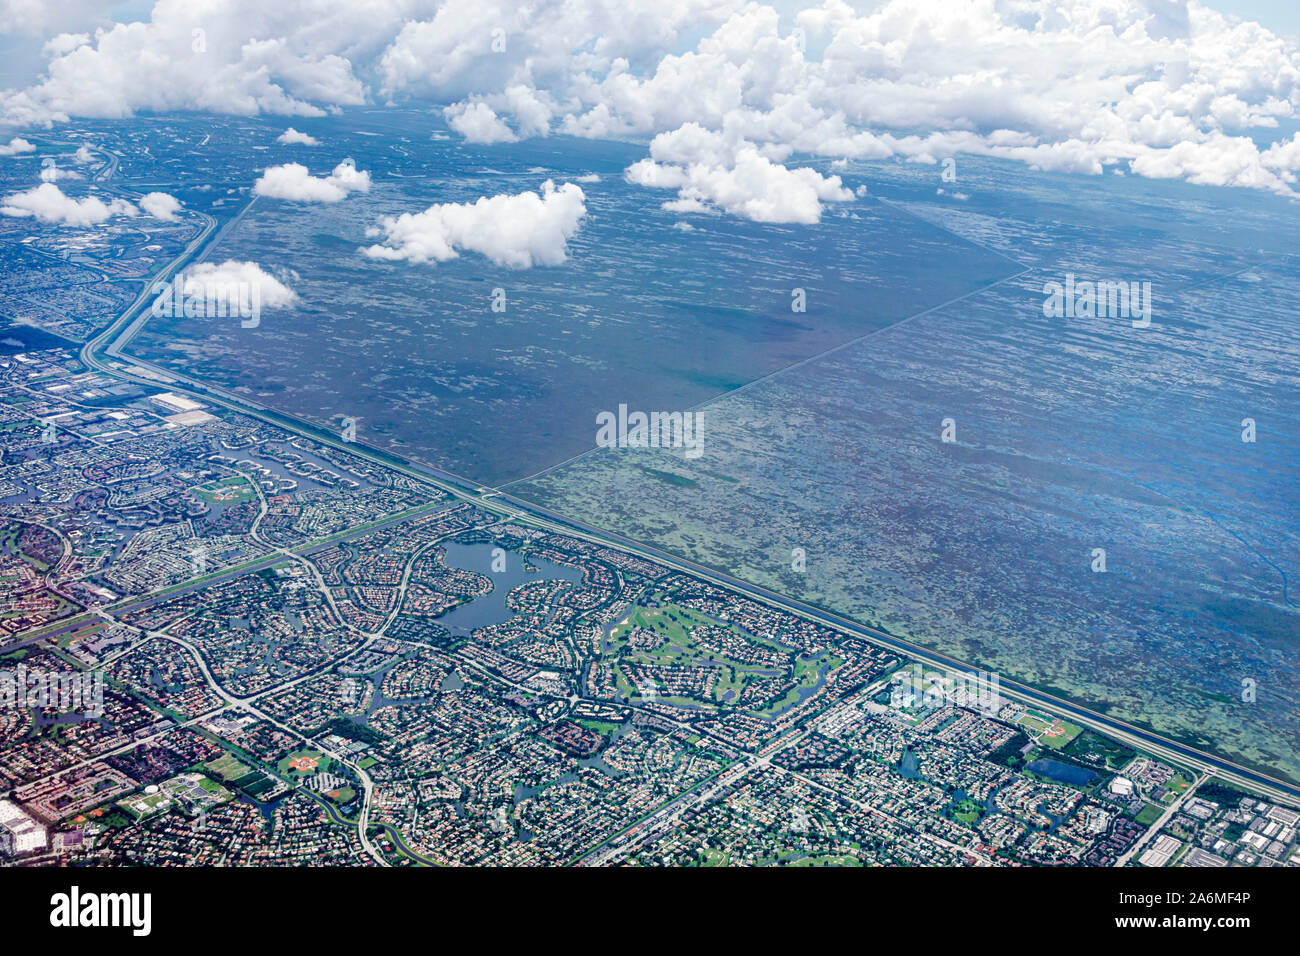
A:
(75, 909)
(624, 429)
(1102, 299)
(209, 298)
(915, 688)
(66, 691)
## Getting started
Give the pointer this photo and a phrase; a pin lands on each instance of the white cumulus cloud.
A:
(48, 203)
(478, 123)
(292, 181)
(708, 171)
(519, 231)
(242, 57)
(16, 146)
(52, 174)
(230, 278)
(292, 137)
(160, 205)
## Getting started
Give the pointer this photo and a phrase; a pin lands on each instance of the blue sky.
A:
(1280, 16)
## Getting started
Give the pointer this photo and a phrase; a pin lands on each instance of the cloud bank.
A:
(1159, 88)
(519, 231)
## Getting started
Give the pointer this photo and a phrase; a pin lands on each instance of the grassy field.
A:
(966, 811)
(227, 767)
(677, 646)
(1092, 748)
(304, 763)
(1149, 814)
(806, 674)
(234, 490)
(602, 727)
(673, 622)
(11, 542)
(1050, 731)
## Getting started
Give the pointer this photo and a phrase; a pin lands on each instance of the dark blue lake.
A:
(491, 607)
(1062, 772)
